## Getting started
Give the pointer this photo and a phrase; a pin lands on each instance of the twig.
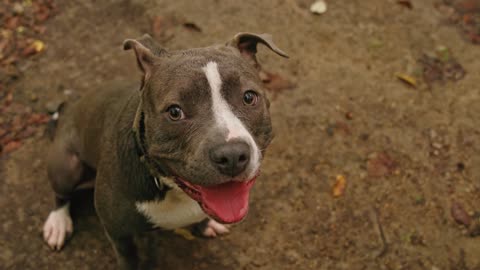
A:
(384, 248)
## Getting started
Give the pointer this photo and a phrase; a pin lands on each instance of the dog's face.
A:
(206, 119)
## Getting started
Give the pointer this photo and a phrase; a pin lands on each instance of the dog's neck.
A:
(138, 128)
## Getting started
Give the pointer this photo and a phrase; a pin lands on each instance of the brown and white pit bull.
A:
(184, 149)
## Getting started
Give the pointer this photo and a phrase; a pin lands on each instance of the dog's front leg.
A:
(125, 251)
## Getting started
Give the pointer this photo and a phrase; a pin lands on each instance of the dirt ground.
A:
(348, 115)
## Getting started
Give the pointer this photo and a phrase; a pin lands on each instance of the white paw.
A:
(58, 228)
(213, 229)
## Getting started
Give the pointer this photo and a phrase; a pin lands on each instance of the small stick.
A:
(380, 231)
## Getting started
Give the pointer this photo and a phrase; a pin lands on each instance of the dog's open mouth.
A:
(227, 202)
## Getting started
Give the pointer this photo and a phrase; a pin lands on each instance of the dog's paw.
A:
(214, 229)
(58, 228)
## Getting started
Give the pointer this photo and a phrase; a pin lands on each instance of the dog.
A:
(184, 149)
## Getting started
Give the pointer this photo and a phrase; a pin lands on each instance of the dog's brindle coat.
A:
(190, 102)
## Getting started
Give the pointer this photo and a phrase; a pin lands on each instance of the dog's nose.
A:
(230, 158)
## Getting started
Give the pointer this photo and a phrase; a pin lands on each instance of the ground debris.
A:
(474, 229)
(407, 79)
(380, 164)
(22, 23)
(375, 218)
(162, 27)
(440, 67)
(275, 82)
(339, 186)
(184, 233)
(318, 7)
(192, 26)
(459, 214)
(405, 3)
(465, 14)
(18, 33)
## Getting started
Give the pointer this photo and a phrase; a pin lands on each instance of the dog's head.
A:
(206, 118)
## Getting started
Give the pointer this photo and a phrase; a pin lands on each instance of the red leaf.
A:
(38, 118)
(11, 146)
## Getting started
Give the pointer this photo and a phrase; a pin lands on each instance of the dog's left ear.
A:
(246, 43)
(143, 51)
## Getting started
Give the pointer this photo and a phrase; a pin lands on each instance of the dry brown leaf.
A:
(339, 186)
(380, 164)
(405, 3)
(275, 82)
(192, 26)
(184, 233)
(460, 215)
(11, 146)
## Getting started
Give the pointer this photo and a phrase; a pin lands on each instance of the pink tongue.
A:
(227, 202)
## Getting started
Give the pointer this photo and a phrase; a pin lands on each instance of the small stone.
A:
(437, 145)
(68, 92)
(18, 9)
(319, 7)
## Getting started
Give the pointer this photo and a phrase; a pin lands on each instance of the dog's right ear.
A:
(146, 50)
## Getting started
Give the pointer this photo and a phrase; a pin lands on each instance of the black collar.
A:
(153, 167)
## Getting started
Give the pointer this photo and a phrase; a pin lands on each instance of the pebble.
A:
(437, 145)
(18, 9)
(319, 7)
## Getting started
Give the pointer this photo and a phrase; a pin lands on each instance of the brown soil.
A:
(406, 154)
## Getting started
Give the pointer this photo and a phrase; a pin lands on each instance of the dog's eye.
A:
(175, 113)
(250, 98)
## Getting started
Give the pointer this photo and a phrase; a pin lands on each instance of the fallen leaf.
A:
(192, 26)
(42, 13)
(443, 53)
(275, 82)
(162, 27)
(459, 214)
(318, 7)
(468, 6)
(184, 233)
(38, 45)
(35, 47)
(409, 80)
(11, 146)
(339, 186)
(405, 3)
(12, 22)
(466, 16)
(38, 118)
(380, 164)
(440, 67)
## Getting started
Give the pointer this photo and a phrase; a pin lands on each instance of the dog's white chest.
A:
(174, 211)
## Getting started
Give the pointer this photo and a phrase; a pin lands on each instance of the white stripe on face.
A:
(226, 119)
